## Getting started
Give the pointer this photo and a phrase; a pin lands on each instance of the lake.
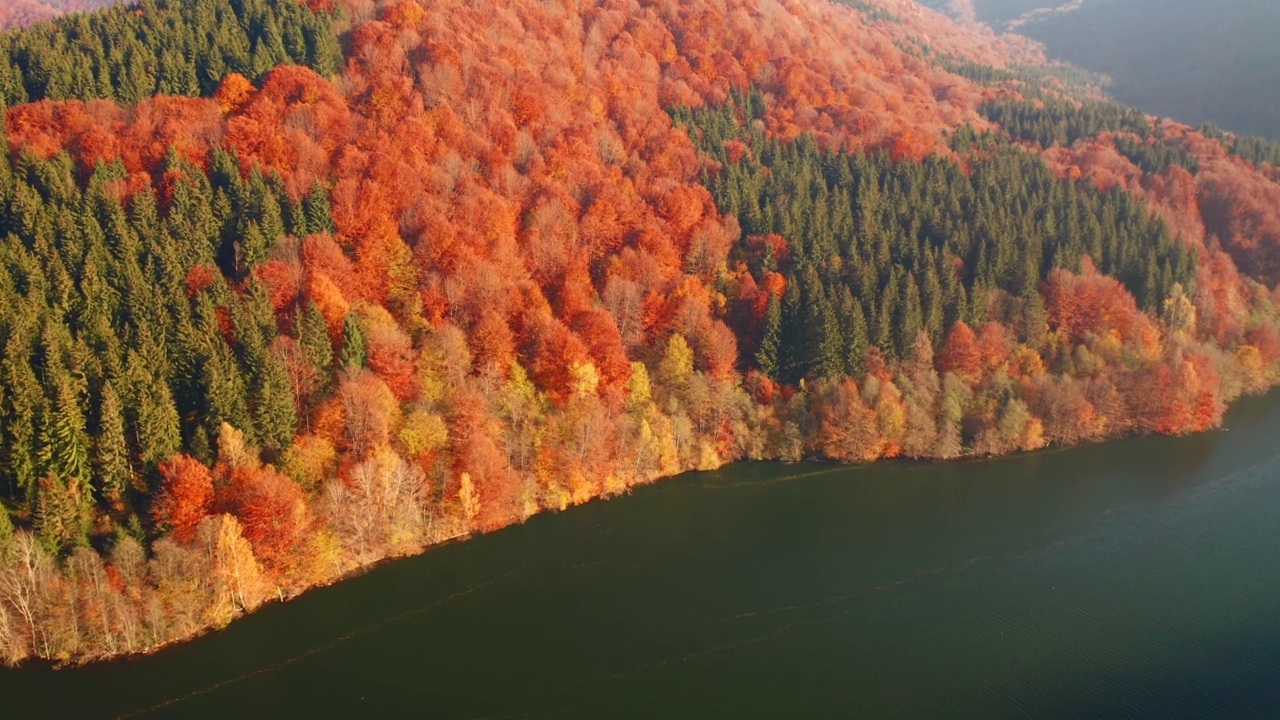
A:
(1138, 578)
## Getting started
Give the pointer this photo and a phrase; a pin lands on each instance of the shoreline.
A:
(283, 598)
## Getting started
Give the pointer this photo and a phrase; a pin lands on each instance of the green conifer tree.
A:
(25, 404)
(111, 449)
(854, 322)
(353, 345)
(157, 430)
(319, 219)
(64, 440)
(276, 416)
(314, 338)
(830, 360)
(62, 515)
(770, 336)
(6, 533)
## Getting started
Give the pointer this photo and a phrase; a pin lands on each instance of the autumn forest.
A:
(290, 288)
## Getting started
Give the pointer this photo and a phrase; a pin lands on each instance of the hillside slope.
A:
(285, 320)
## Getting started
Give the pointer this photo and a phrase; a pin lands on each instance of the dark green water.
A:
(1139, 578)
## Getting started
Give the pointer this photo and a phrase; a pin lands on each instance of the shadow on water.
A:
(1132, 578)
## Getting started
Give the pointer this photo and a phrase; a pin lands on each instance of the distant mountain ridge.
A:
(1196, 62)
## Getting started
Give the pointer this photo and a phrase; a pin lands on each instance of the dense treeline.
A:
(169, 47)
(1060, 105)
(1054, 121)
(878, 250)
(1152, 156)
(123, 342)
(1254, 148)
(1257, 150)
(1032, 82)
(873, 13)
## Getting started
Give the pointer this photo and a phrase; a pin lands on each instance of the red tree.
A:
(272, 512)
(185, 497)
(959, 354)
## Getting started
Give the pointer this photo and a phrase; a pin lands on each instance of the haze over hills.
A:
(289, 288)
(1190, 60)
(19, 13)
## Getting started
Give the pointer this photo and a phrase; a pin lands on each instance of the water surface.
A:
(1138, 578)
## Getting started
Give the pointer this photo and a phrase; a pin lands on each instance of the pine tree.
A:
(6, 533)
(1034, 328)
(909, 319)
(64, 441)
(791, 355)
(884, 330)
(314, 338)
(111, 450)
(252, 249)
(854, 322)
(24, 405)
(276, 417)
(771, 334)
(62, 514)
(353, 345)
(933, 299)
(316, 207)
(192, 220)
(157, 432)
(830, 360)
(224, 390)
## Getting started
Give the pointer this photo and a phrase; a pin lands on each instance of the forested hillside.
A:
(288, 289)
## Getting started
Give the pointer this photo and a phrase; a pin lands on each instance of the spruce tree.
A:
(353, 345)
(854, 322)
(830, 360)
(771, 334)
(157, 431)
(144, 215)
(6, 533)
(64, 441)
(317, 212)
(1034, 325)
(224, 389)
(24, 405)
(932, 300)
(62, 515)
(111, 450)
(791, 351)
(276, 417)
(884, 331)
(313, 335)
(910, 316)
(251, 249)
